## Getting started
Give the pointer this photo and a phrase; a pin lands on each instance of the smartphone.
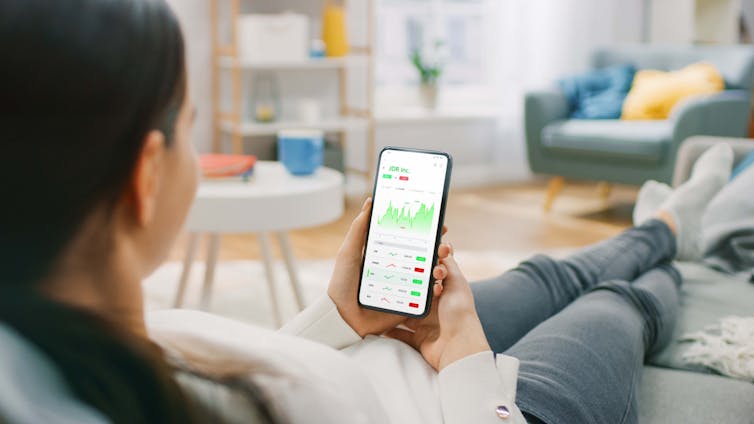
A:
(408, 209)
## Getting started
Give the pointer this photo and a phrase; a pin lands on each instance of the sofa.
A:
(631, 152)
(671, 390)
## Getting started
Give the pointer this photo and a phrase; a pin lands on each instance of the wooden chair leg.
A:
(604, 189)
(554, 187)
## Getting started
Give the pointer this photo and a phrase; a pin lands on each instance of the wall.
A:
(717, 21)
(700, 21)
(194, 17)
(540, 41)
(484, 151)
(682, 14)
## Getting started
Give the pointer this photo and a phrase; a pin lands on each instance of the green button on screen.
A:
(388, 176)
(415, 293)
(417, 281)
(421, 259)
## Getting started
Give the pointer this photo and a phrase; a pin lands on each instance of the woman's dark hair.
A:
(82, 82)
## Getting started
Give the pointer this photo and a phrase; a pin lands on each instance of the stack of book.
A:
(227, 166)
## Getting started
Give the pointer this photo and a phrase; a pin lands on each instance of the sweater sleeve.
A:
(480, 389)
(321, 322)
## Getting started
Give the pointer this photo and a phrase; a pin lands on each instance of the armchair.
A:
(631, 152)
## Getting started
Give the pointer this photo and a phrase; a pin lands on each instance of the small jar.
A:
(265, 98)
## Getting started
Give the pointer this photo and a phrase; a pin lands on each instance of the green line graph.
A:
(412, 216)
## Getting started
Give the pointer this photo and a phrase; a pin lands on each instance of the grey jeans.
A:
(582, 326)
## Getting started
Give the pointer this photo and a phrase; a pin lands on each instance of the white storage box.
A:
(273, 38)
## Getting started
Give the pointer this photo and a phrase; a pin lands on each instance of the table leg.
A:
(188, 261)
(264, 244)
(290, 264)
(213, 249)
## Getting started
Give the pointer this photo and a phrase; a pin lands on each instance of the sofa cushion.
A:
(598, 94)
(655, 93)
(670, 396)
(706, 296)
(644, 141)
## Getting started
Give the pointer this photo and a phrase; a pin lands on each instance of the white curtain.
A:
(540, 41)
(543, 40)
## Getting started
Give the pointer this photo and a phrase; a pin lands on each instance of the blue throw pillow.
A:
(747, 162)
(598, 94)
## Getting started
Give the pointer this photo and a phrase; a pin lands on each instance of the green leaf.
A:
(416, 59)
(428, 73)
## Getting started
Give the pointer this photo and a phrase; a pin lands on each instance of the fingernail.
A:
(366, 202)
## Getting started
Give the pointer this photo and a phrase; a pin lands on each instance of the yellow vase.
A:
(334, 30)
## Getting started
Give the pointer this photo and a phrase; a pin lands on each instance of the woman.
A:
(98, 175)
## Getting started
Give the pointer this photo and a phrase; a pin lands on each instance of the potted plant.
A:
(430, 71)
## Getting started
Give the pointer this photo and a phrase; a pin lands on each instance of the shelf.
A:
(327, 125)
(322, 63)
(417, 114)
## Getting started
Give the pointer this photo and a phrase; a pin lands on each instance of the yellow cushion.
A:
(654, 93)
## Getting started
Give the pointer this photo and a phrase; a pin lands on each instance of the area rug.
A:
(241, 291)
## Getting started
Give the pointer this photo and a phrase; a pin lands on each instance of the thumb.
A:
(357, 233)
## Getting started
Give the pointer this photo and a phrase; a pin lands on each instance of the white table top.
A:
(272, 200)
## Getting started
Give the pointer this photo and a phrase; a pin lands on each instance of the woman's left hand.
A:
(344, 285)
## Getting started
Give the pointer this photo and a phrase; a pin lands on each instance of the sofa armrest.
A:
(541, 108)
(724, 114)
(693, 147)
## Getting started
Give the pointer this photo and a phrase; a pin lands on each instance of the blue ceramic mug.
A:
(301, 151)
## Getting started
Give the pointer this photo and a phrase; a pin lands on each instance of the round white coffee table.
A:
(272, 202)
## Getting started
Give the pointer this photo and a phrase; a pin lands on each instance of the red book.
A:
(218, 165)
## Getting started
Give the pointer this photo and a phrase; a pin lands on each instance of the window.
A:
(465, 29)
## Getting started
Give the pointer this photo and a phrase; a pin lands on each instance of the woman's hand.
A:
(452, 329)
(344, 285)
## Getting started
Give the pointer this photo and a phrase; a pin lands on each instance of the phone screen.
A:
(407, 211)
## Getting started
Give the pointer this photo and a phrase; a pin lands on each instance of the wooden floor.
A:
(497, 218)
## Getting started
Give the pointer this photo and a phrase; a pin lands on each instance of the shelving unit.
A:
(230, 124)
(693, 21)
(421, 115)
(248, 129)
(323, 63)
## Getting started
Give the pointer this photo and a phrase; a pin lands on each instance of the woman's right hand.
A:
(452, 330)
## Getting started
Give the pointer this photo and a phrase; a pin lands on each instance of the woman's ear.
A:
(145, 181)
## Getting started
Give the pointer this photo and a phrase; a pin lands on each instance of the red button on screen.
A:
(403, 178)
(413, 305)
(419, 269)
